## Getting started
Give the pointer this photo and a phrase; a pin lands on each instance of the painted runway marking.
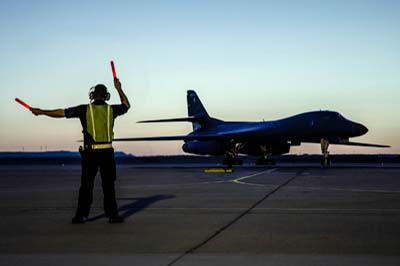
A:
(240, 179)
(240, 216)
(349, 189)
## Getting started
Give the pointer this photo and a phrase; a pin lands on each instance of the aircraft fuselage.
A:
(305, 127)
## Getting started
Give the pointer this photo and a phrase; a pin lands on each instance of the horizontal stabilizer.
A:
(226, 135)
(183, 119)
(349, 143)
(185, 138)
(152, 138)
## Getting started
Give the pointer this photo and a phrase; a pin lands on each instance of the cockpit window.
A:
(342, 117)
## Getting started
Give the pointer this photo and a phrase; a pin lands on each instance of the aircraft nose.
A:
(359, 129)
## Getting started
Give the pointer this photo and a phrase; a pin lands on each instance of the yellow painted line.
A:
(218, 170)
(240, 179)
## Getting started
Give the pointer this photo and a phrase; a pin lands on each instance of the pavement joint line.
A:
(41, 209)
(232, 222)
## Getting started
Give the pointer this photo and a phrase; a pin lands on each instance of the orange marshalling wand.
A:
(113, 69)
(24, 104)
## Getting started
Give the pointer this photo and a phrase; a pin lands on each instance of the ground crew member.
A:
(97, 119)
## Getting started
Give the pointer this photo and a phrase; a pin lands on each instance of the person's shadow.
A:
(137, 205)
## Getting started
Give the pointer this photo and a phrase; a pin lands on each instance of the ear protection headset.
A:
(96, 89)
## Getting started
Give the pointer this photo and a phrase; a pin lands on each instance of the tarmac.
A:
(180, 215)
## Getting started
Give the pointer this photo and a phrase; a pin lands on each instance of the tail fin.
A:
(198, 115)
(196, 109)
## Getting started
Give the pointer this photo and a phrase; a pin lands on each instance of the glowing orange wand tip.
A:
(113, 69)
(24, 104)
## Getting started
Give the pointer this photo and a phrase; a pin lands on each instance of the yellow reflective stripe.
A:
(100, 122)
(101, 146)
(92, 116)
(108, 123)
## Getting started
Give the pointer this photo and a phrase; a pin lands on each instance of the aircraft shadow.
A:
(137, 205)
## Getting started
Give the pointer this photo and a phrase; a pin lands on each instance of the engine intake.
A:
(211, 147)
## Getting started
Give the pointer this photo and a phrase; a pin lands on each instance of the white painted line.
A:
(240, 179)
(349, 189)
(236, 180)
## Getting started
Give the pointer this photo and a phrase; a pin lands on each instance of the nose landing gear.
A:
(266, 157)
(326, 160)
(231, 156)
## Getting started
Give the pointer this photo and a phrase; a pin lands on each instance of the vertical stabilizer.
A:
(195, 108)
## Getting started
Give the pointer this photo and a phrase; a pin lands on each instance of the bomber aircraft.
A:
(211, 136)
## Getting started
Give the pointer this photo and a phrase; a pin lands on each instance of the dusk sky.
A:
(247, 60)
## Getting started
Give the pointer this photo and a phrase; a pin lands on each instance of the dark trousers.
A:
(92, 160)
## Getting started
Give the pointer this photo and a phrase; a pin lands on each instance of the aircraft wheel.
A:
(228, 161)
(263, 161)
(238, 161)
(326, 162)
(260, 161)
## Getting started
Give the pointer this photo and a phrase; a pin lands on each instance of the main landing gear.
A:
(266, 157)
(326, 160)
(230, 160)
(231, 156)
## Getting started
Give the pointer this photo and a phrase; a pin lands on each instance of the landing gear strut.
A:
(326, 160)
(231, 156)
(266, 157)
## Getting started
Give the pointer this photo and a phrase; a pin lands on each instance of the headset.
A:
(96, 89)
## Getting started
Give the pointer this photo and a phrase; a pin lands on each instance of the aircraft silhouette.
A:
(211, 136)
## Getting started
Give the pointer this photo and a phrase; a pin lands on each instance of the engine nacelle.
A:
(274, 149)
(280, 149)
(211, 147)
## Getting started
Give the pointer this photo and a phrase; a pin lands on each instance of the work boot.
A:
(79, 220)
(116, 220)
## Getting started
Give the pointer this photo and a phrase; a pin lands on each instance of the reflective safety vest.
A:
(100, 122)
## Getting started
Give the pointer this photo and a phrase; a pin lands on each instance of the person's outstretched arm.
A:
(57, 113)
(122, 96)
